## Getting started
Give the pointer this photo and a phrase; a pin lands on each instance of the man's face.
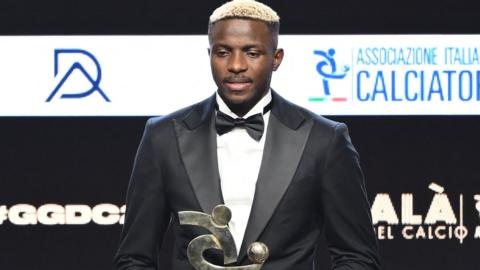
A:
(242, 58)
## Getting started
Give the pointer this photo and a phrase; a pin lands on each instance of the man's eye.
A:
(221, 53)
(253, 54)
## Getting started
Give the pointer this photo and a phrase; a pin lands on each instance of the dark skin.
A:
(243, 56)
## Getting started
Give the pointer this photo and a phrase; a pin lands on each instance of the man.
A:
(285, 172)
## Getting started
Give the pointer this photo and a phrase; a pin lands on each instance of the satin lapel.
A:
(284, 146)
(198, 148)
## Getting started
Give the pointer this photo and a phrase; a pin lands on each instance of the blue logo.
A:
(327, 68)
(94, 80)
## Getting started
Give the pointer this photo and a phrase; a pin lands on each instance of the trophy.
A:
(220, 238)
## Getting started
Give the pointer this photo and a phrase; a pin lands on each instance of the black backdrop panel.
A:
(87, 161)
(190, 16)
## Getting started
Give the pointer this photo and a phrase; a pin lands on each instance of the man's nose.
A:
(237, 63)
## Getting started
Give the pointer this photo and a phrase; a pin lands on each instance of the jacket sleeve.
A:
(348, 225)
(147, 215)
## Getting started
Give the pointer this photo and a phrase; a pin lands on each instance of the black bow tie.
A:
(254, 124)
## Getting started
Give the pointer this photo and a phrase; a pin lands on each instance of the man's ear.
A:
(277, 58)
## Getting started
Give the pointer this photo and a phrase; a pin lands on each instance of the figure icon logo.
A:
(93, 79)
(327, 68)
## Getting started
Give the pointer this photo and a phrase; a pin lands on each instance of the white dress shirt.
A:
(239, 160)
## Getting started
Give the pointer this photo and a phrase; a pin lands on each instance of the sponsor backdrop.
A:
(77, 83)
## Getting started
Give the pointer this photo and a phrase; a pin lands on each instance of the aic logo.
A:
(327, 68)
(76, 60)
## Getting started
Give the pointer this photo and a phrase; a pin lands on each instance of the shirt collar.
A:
(258, 108)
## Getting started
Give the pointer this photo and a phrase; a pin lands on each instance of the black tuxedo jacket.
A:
(309, 180)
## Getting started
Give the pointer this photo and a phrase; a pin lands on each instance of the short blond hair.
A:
(249, 9)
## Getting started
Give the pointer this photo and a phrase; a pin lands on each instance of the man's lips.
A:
(237, 86)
